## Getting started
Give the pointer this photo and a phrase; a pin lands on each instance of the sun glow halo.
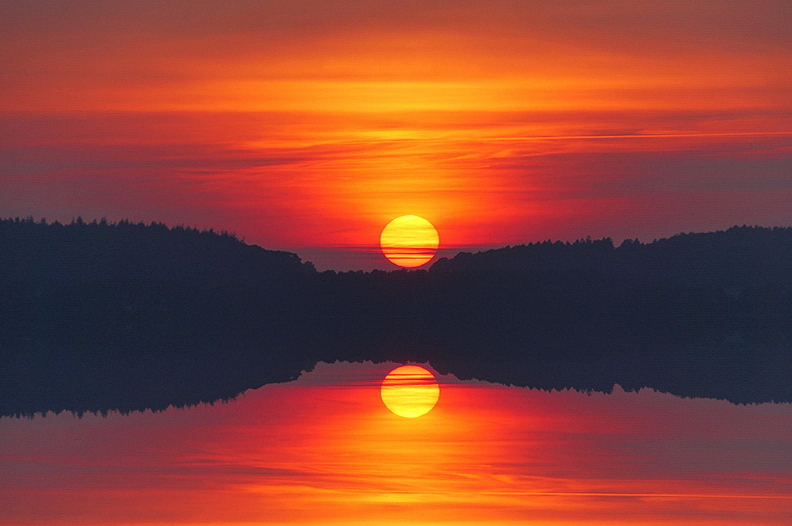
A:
(410, 391)
(409, 241)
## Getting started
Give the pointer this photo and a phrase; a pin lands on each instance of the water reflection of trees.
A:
(99, 316)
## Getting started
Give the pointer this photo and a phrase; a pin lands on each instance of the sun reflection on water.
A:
(325, 450)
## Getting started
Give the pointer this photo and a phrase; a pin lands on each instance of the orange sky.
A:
(309, 125)
(325, 450)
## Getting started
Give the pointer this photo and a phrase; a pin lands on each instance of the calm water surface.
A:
(325, 450)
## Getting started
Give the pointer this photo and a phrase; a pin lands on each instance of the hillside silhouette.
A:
(98, 316)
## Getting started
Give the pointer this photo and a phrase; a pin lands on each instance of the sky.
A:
(307, 125)
(325, 450)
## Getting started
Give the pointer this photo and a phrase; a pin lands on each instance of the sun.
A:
(410, 391)
(409, 241)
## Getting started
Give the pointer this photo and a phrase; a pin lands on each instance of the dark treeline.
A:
(98, 316)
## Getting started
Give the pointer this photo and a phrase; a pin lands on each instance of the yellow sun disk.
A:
(410, 391)
(409, 241)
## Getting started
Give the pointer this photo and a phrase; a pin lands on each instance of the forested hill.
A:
(97, 316)
(100, 253)
(735, 258)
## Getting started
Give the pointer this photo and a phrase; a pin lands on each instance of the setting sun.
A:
(410, 391)
(409, 241)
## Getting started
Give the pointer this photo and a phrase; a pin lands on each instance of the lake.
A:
(324, 450)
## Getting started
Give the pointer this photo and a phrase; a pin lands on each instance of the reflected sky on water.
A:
(325, 450)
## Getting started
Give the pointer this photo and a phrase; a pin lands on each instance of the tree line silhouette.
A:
(127, 316)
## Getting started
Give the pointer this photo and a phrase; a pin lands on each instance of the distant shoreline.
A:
(99, 316)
